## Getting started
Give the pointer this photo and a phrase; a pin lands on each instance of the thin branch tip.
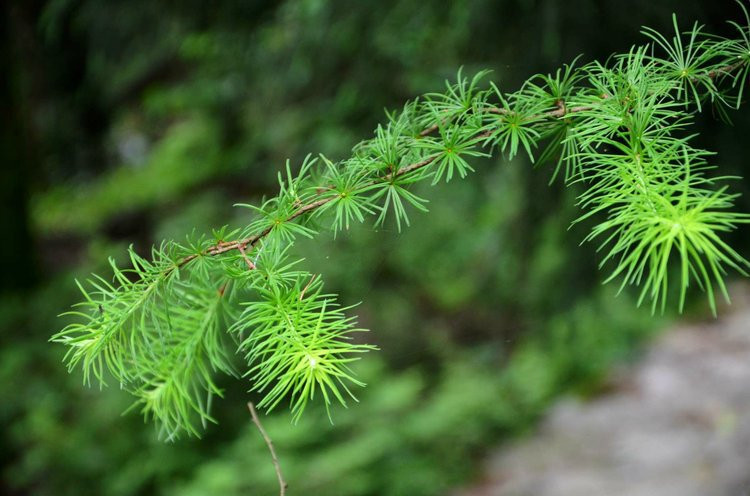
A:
(276, 465)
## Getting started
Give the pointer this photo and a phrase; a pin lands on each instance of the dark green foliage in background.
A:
(146, 120)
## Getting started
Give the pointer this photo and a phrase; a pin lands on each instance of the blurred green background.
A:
(134, 121)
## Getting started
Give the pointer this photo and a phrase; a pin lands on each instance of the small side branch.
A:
(277, 467)
(250, 264)
(312, 279)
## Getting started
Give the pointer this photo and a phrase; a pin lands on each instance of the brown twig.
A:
(277, 467)
(302, 293)
(250, 264)
(429, 130)
(727, 69)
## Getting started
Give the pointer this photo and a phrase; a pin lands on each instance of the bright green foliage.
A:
(618, 130)
(158, 333)
(298, 343)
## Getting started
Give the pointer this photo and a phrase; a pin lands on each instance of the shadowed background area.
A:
(132, 122)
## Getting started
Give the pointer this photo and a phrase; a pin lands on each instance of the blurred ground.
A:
(677, 422)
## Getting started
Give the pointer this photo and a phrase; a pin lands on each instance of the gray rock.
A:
(676, 424)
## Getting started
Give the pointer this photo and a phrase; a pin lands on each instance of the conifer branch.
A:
(617, 132)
